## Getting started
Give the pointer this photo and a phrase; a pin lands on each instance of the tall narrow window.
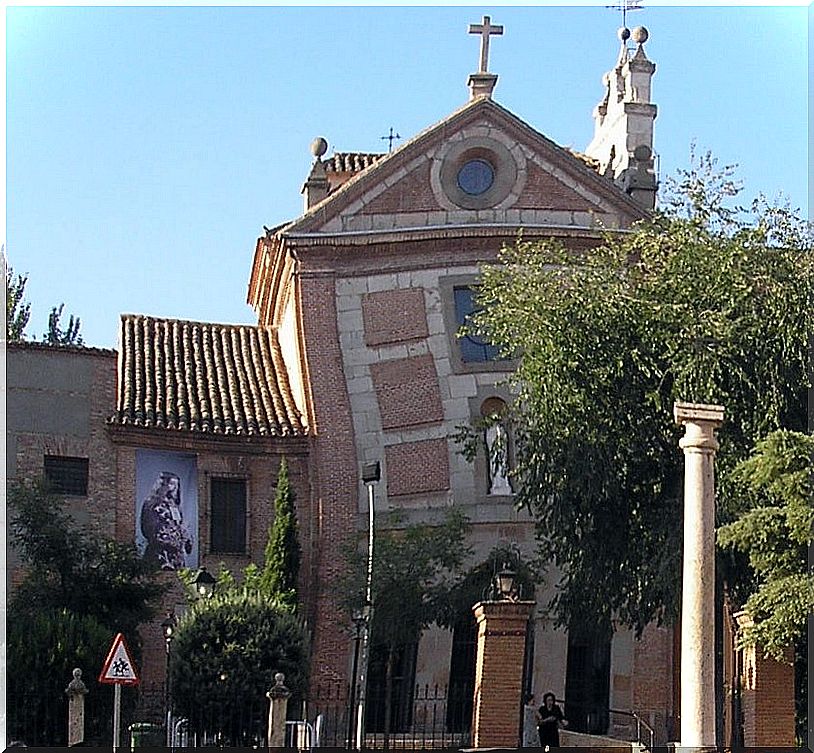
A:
(474, 349)
(66, 475)
(228, 516)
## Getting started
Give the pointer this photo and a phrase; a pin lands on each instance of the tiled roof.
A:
(350, 162)
(83, 350)
(220, 379)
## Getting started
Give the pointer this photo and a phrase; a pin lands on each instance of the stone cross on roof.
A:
(485, 30)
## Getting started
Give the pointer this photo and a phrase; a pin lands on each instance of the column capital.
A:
(698, 413)
(700, 421)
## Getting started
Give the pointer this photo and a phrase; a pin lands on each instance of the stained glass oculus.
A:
(476, 177)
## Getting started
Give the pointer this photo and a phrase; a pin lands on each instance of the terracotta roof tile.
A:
(350, 162)
(211, 378)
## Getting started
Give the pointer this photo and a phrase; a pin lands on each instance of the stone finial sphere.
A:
(640, 35)
(279, 676)
(623, 33)
(642, 152)
(77, 674)
(319, 146)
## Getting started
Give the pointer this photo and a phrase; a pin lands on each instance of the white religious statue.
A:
(497, 453)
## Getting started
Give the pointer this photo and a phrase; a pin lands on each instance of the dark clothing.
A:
(549, 726)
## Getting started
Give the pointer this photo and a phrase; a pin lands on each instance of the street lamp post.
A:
(168, 629)
(359, 619)
(371, 474)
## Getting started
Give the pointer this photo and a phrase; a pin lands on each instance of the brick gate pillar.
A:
(767, 695)
(499, 672)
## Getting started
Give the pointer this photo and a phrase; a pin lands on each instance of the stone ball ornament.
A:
(623, 33)
(319, 146)
(640, 35)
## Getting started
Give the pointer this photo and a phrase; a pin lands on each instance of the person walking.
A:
(549, 720)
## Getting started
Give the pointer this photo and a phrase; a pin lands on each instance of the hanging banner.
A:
(167, 508)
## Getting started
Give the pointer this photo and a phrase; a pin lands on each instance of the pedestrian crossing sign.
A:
(119, 668)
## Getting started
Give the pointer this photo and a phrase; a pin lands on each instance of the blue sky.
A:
(147, 146)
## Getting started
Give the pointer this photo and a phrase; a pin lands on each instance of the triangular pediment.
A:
(480, 165)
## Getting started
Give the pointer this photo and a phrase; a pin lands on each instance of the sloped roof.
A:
(219, 379)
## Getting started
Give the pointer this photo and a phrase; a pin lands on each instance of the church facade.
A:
(368, 290)
(356, 358)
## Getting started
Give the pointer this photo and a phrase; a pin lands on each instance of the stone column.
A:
(498, 700)
(76, 692)
(278, 707)
(698, 588)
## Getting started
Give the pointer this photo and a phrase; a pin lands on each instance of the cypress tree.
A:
(282, 556)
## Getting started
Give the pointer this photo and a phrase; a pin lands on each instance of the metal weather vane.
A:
(625, 6)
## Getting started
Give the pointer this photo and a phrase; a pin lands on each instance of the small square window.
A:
(473, 349)
(66, 475)
(227, 533)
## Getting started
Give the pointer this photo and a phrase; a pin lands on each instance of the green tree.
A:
(282, 555)
(18, 312)
(277, 578)
(67, 568)
(58, 336)
(414, 570)
(774, 528)
(44, 647)
(225, 654)
(699, 303)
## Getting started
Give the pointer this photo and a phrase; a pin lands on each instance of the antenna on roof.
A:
(390, 138)
(625, 6)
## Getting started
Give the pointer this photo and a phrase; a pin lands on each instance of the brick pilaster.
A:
(499, 672)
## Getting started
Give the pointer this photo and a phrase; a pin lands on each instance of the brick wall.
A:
(544, 191)
(334, 471)
(407, 391)
(43, 381)
(410, 194)
(213, 459)
(651, 681)
(416, 467)
(392, 316)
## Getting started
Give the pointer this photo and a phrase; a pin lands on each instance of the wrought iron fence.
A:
(427, 717)
(41, 720)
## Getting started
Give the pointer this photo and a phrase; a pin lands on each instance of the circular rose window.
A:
(476, 177)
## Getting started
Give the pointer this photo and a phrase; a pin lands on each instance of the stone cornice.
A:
(445, 232)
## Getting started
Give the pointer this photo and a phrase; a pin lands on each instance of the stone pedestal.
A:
(481, 84)
(278, 708)
(498, 699)
(698, 587)
(76, 692)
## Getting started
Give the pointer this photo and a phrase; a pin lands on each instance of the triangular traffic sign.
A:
(119, 668)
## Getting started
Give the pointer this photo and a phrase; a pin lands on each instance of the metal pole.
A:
(360, 716)
(354, 671)
(168, 697)
(117, 714)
